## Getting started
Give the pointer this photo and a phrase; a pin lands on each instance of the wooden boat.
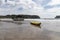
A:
(36, 23)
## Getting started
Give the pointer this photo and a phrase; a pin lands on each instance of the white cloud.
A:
(54, 2)
(30, 7)
(54, 9)
(52, 12)
(29, 4)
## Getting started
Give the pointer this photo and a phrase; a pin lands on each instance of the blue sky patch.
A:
(48, 7)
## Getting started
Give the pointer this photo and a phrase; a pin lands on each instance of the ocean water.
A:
(50, 30)
(49, 27)
(49, 24)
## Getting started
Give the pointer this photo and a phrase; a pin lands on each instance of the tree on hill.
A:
(57, 17)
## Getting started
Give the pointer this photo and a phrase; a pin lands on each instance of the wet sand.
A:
(25, 31)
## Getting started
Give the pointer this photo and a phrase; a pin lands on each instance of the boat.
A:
(36, 23)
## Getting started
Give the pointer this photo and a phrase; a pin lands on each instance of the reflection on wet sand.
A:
(26, 31)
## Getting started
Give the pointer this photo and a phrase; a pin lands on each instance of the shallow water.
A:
(14, 31)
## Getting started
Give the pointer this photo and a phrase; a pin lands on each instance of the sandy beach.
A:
(25, 31)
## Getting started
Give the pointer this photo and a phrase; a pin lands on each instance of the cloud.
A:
(53, 8)
(24, 6)
(42, 2)
(54, 2)
(43, 8)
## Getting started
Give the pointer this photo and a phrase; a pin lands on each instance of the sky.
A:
(42, 8)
